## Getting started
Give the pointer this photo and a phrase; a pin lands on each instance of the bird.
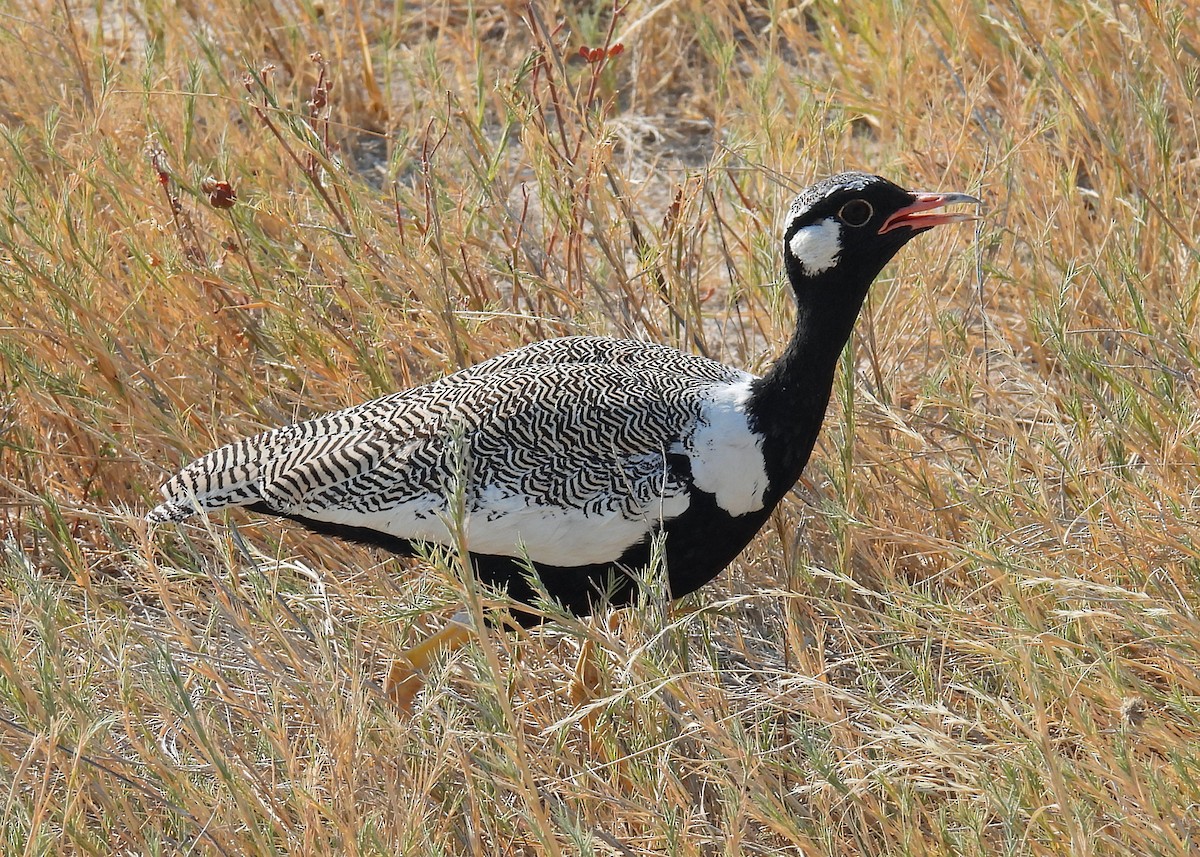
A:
(576, 457)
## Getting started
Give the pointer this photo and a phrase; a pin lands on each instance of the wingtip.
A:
(164, 512)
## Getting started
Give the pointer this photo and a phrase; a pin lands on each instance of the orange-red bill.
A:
(921, 214)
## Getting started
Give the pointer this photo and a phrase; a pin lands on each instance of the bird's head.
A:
(840, 232)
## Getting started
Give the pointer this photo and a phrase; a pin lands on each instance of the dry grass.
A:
(972, 630)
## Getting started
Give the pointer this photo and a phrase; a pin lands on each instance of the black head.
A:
(840, 232)
(837, 236)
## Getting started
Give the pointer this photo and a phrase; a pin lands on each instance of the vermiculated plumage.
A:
(575, 453)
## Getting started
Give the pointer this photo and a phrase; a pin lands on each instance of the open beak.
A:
(916, 216)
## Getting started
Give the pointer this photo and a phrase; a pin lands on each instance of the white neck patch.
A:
(817, 247)
(725, 453)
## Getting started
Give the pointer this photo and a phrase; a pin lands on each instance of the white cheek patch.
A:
(817, 247)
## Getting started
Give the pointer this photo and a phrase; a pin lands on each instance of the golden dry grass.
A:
(973, 628)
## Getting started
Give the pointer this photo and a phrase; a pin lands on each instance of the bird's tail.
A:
(283, 467)
(229, 476)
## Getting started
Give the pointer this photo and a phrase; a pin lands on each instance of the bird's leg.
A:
(586, 680)
(587, 683)
(407, 674)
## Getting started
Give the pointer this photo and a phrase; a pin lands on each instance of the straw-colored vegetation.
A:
(971, 630)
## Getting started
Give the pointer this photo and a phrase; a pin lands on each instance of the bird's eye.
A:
(856, 212)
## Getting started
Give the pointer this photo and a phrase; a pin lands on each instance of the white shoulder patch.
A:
(817, 247)
(726, 456)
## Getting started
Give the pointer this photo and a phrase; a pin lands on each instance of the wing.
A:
(629, 353)
(566, 461)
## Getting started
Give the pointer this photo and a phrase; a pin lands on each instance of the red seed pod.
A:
(585, 52)
(615, 50)
(220, 193)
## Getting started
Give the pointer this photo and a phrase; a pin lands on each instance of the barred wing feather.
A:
(563, 449)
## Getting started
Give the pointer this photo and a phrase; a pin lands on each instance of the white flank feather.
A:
(506, 524)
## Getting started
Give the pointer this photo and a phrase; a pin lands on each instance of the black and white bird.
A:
(573, 455)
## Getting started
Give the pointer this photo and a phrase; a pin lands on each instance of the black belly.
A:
(700, 543)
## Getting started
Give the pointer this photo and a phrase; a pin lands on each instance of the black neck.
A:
(788, 404)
